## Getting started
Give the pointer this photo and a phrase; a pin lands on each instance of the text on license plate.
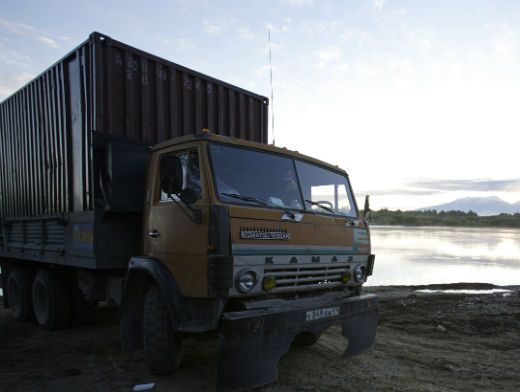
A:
(318, 314)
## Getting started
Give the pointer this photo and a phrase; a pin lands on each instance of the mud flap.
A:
(249, 353)
(360, 329)
(252, 342)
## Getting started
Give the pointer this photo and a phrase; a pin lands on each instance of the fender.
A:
(142, 273)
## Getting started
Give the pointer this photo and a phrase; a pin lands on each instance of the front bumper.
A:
(253, 341)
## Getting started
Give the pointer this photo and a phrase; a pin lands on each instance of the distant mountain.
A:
(481, 205)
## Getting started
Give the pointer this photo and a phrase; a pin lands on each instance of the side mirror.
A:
(171, 174)
(366, 209)
(188, 196)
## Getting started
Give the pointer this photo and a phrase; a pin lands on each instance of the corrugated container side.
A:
(145, 97)
(71, 138)
(103, 85)
(34, 148)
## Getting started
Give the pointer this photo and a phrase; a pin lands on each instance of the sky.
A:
(416, 100)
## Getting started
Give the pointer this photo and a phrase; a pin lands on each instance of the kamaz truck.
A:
(129, 179)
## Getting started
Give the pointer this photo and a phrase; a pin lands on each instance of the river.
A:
(425, 255)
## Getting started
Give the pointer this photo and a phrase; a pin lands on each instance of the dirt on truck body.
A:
(132, 180)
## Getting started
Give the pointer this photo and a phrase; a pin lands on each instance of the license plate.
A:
(318, 314)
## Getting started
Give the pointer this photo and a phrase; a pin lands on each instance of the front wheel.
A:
(162, 345)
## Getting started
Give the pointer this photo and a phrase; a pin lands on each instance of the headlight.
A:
(246, 280)
(359, 273)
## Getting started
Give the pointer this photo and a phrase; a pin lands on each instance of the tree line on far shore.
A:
(442, 218)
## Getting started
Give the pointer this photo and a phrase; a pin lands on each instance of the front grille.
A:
(307, 277)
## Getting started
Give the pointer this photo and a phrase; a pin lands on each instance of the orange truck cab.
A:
(262, 244)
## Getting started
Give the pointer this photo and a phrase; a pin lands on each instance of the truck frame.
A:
(192, 232)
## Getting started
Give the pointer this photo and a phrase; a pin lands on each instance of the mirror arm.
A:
(366, 218)
(195, 216)
(366, 210)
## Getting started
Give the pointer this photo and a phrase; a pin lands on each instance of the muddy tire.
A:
(162, 345)
(51, 300)
(19, 292)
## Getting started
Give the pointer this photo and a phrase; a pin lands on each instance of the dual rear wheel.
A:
(19, 292)
(51, 301)
(45, 295)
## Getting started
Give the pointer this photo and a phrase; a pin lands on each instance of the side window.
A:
(333, 195)
(190, 173)
(325, 187)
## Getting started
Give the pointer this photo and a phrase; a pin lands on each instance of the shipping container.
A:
(71, 139)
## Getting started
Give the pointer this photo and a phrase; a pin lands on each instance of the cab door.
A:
(171, 234)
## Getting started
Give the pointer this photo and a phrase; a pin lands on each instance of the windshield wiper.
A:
(333, 210)
(258, 201)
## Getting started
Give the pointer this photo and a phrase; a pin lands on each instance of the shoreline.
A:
(376, 225)
(435, 286)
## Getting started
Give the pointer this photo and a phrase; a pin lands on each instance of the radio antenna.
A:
(271, 80)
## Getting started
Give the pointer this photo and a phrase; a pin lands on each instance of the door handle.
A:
(154, 234)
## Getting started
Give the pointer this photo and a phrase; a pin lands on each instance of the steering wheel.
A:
(326, 203)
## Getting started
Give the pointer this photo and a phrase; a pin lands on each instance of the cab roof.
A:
(210, 137)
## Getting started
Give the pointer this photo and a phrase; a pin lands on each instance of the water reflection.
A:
(425, 255)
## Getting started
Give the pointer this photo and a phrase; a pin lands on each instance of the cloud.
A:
(401, 192)
(284, 28)
(16, 28)
(9, 84)
(400, 12)
(379, 5)
(503, 185)
(298, 3)
(178, 43)
(210, 28)
(504, 43)
(244, 33)
(48, 41)
(13, 57)
(263, 71)
(358, 37)
(26, 30)
(274, 47)
(423, 42)
(328, 54)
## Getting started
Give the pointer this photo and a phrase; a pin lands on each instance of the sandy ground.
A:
(425, 342)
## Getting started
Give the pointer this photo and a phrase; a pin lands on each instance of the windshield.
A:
(254, 177)
(267, 177)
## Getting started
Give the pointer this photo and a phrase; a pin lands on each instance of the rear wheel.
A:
(51, 301)
(19, 291)
(162, 345)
